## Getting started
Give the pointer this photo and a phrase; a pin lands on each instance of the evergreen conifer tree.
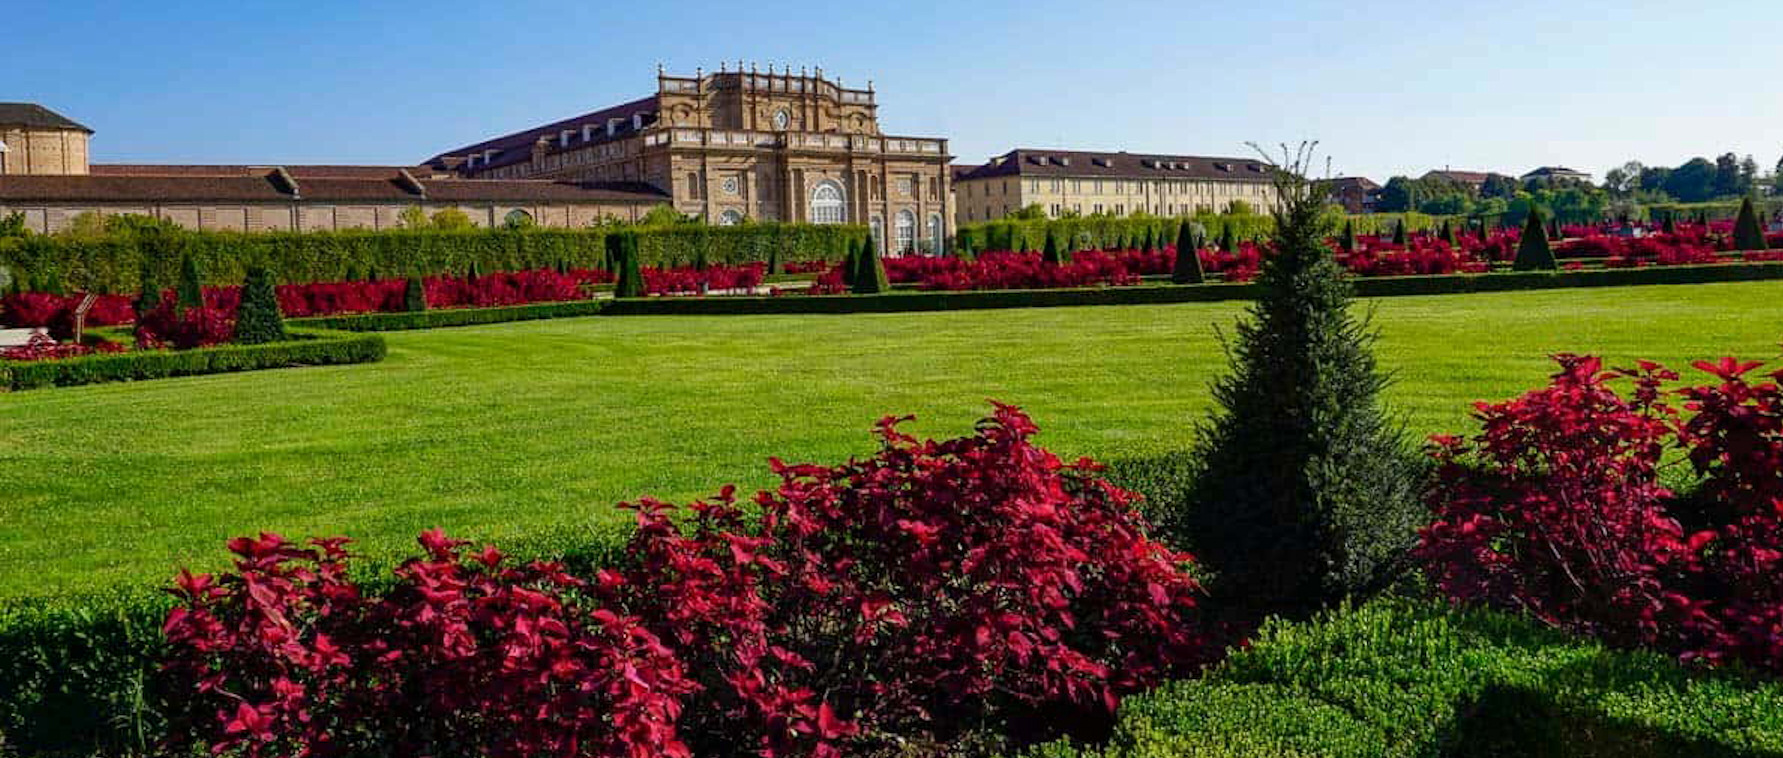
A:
(1399, 234)
(190, 293)
(1349, 235)
(1228, 238)
(631, 277)
(1533, 251)
(1485, 229)
(352, 274)
(1303, 489)
(414, 294)
(1189, 240)
(869, 277)
(1053, 254)
(471, 274)
(1747, 233)
(1670, 225)
(257, 318)
(149, 300)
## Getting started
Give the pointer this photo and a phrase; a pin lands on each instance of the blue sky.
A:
(1387, 87)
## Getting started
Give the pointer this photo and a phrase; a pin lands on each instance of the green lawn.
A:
(499, 431)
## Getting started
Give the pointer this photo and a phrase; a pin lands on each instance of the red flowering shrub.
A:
(35, 310)
(690, 280)
(41, 347)
(1556, 509)
(465, 655)
(170, 327)
(911, 595)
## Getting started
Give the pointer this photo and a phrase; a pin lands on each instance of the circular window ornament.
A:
(730, 185)
(782, 119)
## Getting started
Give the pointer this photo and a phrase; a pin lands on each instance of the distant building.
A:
(1357, 194)
(35, 141)
(1555, 173)
(737, 145)
(1473, 179)
(1067, 182)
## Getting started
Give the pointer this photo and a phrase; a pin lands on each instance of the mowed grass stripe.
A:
(501, 431)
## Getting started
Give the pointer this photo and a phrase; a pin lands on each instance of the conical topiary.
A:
(850, 263)
(1747, 234)
(1228, 238)
(1304, 491)
(1189, 240)
(1348, 240)
(1533, 251)
(869, 277)
(1554, 229)
(414, 294)
(631, 277)
(471, 274)
(1399, 234)
(1485, 230)
(1053, 254)
(257, 318)
(352, 274)
(1670, 225)
(190, 292)
(149, 300)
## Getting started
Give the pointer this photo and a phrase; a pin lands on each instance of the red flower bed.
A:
(689, 280)
(1556, 509)
(892, 602)
(185, 329)
(37, 310)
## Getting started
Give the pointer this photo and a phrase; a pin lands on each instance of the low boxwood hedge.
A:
(446, 317)
(305, 348)
(1405, 678)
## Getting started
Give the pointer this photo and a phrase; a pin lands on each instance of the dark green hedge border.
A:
(1399, 678)
(308, 348)
(448, 317)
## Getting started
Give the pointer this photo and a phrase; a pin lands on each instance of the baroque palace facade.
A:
(736, 145)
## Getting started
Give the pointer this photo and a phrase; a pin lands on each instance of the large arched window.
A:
(730, 218)
(877, 226)
(937, 231)
(827, 206)
(906, 232)
(517, 218)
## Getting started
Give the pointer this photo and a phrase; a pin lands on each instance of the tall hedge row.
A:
(116, 263)
(1109, 233)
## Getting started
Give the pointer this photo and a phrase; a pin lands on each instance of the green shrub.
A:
(1747, 233)
(1053, 254)
(303, 349)
(450, 317)
(190, 292)
(625, 255)
(414, 294)
(1349, 235)
(1533, 251)
(1190, 237)
(1305, 491)
(257, 319)
(1397, 678)
(869, 276)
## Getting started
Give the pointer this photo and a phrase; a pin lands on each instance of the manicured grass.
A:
(501, 431)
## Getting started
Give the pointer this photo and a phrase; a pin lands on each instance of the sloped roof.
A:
(36, 116)
(1079, 163)
(198, 184)
(517, 147)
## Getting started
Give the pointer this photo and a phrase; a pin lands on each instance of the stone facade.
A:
(734, 145)
(1081, 183)
(36, 141)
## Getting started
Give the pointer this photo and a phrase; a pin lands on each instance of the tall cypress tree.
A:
(1533, 251)
(1303, 489)
(1747, 234)
(631, 278)
(257, 319)
(150, 298)
(1670, 225)
(190, 293)
(1229, 238)
(1485, 229)
(1190, 237)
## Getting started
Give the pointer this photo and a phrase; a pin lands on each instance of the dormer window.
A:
(613, 126)
(1103, 162)
(588, 132)
(637, 122)
(563, 137)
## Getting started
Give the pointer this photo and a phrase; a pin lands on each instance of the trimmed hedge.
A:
(909, 301)
(448, 317)
(306, 348)
(79, 676)
(116, 263)
(1400, 678)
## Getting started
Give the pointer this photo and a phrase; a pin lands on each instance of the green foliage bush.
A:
(1304, 490)
(190, 292)
(414, 294)
(1190, 237)
(1534, 253)
(1748, 234)
(116, 262)
(257, 319)
(1105, 232)
(623, 249)
(449, 317)
(869, 274)
(1398, 678)
(305, 348)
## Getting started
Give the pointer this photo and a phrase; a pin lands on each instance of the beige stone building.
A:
(736, 145)
(35, 140)
(1071, 182)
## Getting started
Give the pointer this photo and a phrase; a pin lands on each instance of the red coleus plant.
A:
(42, 347)
(908, 596)
(1556, 509)
(464, 655)
(184, 328)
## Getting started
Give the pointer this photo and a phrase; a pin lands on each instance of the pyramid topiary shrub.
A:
(471, 274)
(190, 292)
(1349, 235)
(1053, 254)
(1747, 233)
(1399, 234)
(150, 298)
(1302, 489)
(1670, 225)
(869, 275)
(257, 318)
(631, 280)
(1190, 238)
(1533, 251)
(1228, 239)
(414, 295)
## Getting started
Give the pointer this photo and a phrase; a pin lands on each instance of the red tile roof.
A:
(199, 184)
(1077, 163)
